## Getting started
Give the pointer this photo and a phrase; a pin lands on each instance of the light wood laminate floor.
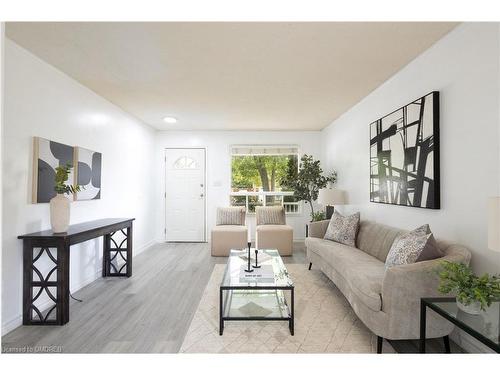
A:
(147, 313)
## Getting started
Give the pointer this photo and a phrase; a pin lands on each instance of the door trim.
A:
(165, 192)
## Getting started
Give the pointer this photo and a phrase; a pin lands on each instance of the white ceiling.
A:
(260, 76)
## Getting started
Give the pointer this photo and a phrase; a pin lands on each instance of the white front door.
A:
(185, 194)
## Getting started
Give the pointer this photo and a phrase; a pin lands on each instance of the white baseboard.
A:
(18, 320)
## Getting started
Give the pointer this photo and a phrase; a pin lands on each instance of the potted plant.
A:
(59, 205)
(307, 182)
(318, 216)
(473, 293)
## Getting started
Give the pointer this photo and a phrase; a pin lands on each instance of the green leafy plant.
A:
(318, 216)
(62, 175)
(307, 182)
(459, 279)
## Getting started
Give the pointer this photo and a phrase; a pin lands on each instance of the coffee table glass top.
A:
(486, 323)
(266, 258)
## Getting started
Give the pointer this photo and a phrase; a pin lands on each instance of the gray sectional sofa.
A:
(386, 301)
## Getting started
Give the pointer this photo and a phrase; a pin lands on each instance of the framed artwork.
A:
(404, 155)
(88, 173)
(47, 155)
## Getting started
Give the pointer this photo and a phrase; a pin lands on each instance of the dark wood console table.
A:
(56, 282)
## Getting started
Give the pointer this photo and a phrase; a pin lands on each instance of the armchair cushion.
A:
(230, 216)
(278, 237)
(270, 215)
(227, 237)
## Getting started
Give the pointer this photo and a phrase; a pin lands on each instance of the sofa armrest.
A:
(318, 228)
(402, 288)
(415, 280)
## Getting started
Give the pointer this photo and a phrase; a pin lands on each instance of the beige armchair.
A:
(230, 231)
(272, 231)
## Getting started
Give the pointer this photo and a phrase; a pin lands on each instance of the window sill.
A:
(286, 214)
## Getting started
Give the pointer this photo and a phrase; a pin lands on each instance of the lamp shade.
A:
(331, 197)
(494, 223)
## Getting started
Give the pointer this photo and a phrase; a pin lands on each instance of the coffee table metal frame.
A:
(223, 313)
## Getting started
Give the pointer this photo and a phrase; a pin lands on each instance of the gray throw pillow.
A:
(415, 246)
(343, 229)
(430, 251)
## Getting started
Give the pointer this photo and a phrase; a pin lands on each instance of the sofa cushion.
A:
(270, 215)
(362, 272)
(343, 229)
(230, 216)
(376, 239)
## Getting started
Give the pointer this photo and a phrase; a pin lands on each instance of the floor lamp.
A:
(494, 232)
(331, 198)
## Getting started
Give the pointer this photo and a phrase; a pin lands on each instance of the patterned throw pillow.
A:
(343, 229)
(270, 215)
(230, 216)
(415, 246)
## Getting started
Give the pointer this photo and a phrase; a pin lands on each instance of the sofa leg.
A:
(310, 265)
(446, 340)
(380, 341)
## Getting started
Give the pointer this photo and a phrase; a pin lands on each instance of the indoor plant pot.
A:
(473, 293)
(59, 213)
(473, 307)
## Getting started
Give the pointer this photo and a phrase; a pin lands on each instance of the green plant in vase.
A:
(474, 293)
(60, 204)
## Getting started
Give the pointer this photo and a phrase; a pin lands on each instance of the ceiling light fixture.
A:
(170, 120)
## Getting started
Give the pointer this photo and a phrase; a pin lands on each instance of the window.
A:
(258, 176)
(185, 162)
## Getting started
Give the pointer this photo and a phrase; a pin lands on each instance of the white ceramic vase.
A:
(473, 308)
(59, 213)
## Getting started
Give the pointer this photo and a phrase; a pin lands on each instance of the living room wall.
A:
(42, 101)
(217, 144)
(464, 67)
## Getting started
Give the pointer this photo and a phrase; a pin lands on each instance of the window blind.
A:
(260, 150)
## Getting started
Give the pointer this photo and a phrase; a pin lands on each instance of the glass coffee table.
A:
(485, 326)
(248, 297)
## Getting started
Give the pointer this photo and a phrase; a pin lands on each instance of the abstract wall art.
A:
(404, 155)
(88, 173)
(47, 155)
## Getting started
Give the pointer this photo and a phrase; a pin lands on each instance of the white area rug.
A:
(324, 322)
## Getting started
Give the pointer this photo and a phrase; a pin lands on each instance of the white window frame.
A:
(291, 208)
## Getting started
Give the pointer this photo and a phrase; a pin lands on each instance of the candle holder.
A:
(249, 269)
(256, 263)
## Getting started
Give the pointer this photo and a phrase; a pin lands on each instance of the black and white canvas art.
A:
(88, 172)
(404, 155)
(47, 155)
